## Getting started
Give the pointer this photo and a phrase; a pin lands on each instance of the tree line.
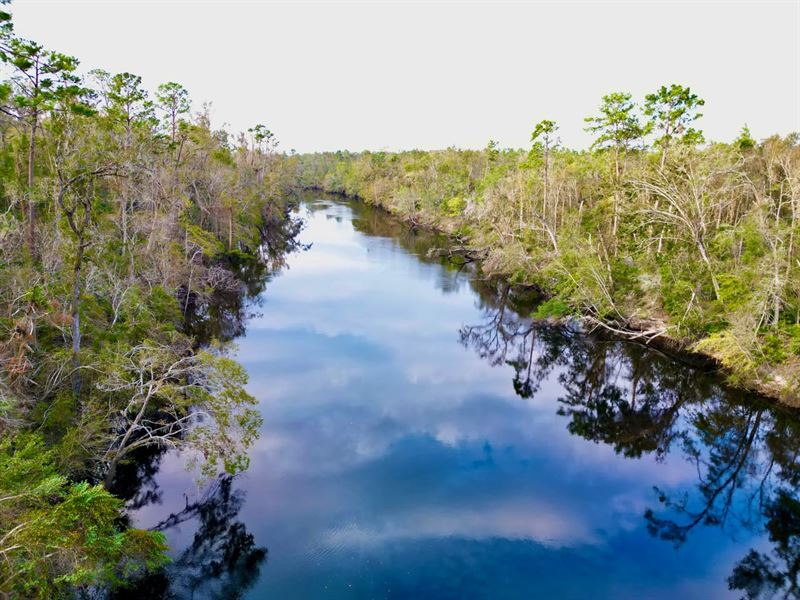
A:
(652, 232)
(122, 213)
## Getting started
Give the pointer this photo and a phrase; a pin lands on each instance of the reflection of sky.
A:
(393, 461)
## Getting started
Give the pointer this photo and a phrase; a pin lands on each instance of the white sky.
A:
(379, 75)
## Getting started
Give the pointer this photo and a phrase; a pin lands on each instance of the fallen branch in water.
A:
(462, 251)
(647, 335)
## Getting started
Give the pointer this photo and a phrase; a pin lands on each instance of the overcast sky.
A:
(379, 75)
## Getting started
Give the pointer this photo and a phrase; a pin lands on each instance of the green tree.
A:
(745, 141)
(492, 152)
(128, 103)
(672, 110)
(173, 100)
(40, 79)
(126, 106)
(618, 129)
(263, 143)
(543, 136)
(263, 139)
(81, 157)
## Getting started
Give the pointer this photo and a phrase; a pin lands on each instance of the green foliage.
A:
(617, 125)
(206, 241)
(58, 535)
(552, 308)
(164, 308)
(233, 427)
(672, 110)
(455, 206)
(734, 290)
(774, 348)
(730, 350)
(544, 130)
(173, 100)
(745, 141)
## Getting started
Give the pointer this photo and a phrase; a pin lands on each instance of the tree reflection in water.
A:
(505, 337)
(745, 450)
(135, 482)
(223, 560)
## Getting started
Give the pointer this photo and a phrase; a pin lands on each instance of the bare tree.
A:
(165, 395)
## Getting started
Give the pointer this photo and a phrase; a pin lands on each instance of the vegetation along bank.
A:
(121, 216)
(653, 232)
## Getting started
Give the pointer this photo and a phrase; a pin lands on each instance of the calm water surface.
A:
(422, 438)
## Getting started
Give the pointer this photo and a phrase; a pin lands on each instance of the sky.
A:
(383, 75)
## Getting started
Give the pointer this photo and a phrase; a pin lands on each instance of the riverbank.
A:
(654, 330)
(122, 223)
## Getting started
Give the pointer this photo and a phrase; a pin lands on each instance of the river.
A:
(424, 438)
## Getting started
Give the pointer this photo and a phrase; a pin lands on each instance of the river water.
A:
(424, 438)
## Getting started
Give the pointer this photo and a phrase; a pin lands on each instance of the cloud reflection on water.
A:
(394, 458)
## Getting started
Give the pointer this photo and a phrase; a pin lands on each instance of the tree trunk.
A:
(776, 307)
(701, 247)
(76, 320)
(31, 202)
(230, 230)
(616, 198)
(124, 195)
(665, 144)
(544, 191)
(112, 466)
(124, 220)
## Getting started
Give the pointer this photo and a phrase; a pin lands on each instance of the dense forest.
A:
(121, 215)
(653, 233)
